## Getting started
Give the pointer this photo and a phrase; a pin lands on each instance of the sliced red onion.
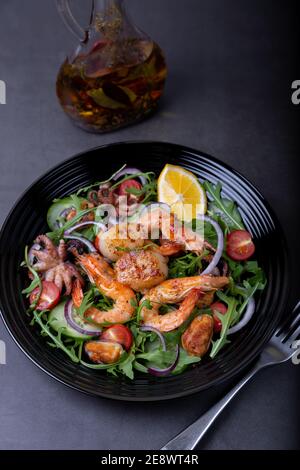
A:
(70, 315)
(245, 319)
(158, 333)
(130, 171)
(83, 240)
(162, 372)
(219, 251)
(85, 224)
(35, 246)
(65, 212)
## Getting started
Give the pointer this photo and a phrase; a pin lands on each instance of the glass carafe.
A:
(116, 75)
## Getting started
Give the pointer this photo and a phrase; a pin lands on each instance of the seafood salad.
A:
(142, 273)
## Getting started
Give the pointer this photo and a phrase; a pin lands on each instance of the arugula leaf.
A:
(157, 357)
(57, 341)
(126, 367)
(223, 208)
(240, 271)
(101, 301)
(56, 235)
(247, 293)
(77, 202)
(184, 361)
(140, 367)
(205, 229)
(226, 322)
(147, 304)
(186, 265)
(36, 282)
(87, 302)
(147, 193)
(98, 183)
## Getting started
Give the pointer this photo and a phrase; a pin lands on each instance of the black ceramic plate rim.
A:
(183, 149)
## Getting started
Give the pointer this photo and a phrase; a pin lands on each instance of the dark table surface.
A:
(231, 66)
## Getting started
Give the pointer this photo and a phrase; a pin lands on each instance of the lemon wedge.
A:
(181, 190)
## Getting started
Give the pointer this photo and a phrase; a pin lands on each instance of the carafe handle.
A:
(69, 20)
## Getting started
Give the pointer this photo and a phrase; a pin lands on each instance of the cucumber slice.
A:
(54, 212)
(58, 322)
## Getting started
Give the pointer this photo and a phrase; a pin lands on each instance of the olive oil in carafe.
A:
(102, 92)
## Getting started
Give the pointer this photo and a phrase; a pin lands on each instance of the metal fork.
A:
(278, 350)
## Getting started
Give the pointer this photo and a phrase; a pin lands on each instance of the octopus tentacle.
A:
(41, 266)
(58, 280)
(68, 282)
(50, 275)
(74, 271)
(62, 250)
(48, 244)
(51, 263)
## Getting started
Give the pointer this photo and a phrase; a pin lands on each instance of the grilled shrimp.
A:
(174, 291)
(154, 225)
(183, 238)
(103, 276)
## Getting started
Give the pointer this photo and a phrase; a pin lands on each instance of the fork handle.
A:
(191, 436)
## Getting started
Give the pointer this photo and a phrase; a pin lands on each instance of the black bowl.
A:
(27, 220)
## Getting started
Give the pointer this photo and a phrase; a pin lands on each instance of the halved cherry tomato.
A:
(127, 185)
(220, 308)
(239, 245)
(49, 297)
(119, 334)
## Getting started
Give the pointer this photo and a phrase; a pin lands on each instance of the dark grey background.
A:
(231, 66)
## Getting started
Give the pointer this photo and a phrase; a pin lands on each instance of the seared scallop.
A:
(141, 269)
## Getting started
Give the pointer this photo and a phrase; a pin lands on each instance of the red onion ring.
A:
(163, 372)
(83, 240)
(65, 212)
(69, 316)
(245, 319)
(130, 171)
(158, 333)
(85, 224)
(219, 251)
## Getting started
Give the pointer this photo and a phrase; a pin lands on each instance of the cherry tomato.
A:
(127, 185)
(220, 308)
(240, 246)
(49, 297)
(119, 334)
